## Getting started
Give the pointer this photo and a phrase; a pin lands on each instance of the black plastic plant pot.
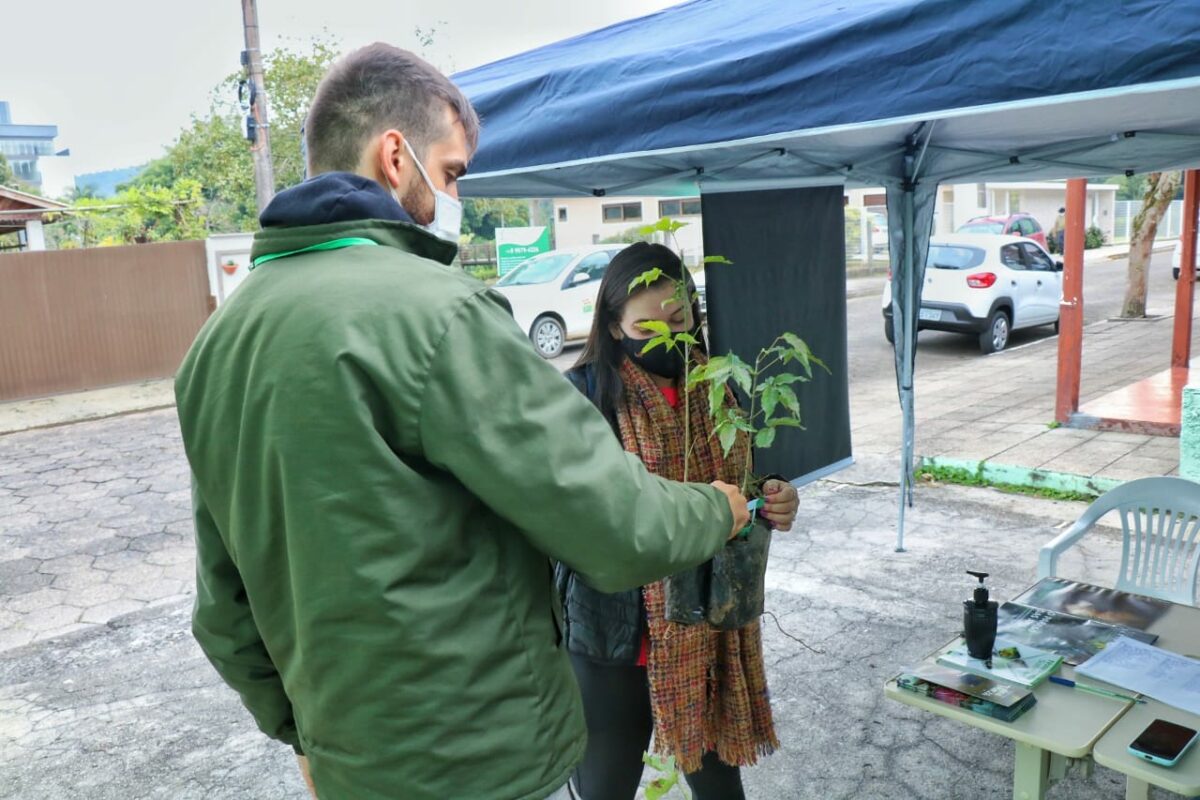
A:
(737, 589)
(686, 595)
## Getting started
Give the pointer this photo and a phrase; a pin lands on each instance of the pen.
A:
(1093, 689)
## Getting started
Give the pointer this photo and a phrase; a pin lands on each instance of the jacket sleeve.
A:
(224, 626)
(523, 440)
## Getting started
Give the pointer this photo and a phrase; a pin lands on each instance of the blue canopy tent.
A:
(736, 95)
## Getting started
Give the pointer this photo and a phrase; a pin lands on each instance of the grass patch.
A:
(964, 477)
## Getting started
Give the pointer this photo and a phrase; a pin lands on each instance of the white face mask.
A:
(447, 212)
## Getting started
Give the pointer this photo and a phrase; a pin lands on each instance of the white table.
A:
(1065, 722)
(1070, 724)
(1178, 631)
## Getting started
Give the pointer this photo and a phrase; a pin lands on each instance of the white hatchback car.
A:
(1177, 258)
(986, 285)
(553, 295)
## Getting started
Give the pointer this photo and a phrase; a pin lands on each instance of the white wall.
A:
(585, 223)
(232, 250)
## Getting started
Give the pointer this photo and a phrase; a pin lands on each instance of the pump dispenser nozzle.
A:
(979, 621)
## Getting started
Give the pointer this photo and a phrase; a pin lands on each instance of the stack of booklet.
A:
(1075, 620)
(966, 690)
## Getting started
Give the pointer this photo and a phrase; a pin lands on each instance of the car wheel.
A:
(1175, 273)
(548, 337)
(995, 336)
(888, 332)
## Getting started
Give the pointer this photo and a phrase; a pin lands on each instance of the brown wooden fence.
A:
(81, 319)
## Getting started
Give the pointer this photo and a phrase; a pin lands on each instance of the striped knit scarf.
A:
(708, 688)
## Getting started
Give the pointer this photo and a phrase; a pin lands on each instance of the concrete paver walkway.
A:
(1000, 408)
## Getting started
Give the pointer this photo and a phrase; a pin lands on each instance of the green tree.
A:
(6, 174)
(1160, 191)
(482, 215)
(136, 215)
(213, 151)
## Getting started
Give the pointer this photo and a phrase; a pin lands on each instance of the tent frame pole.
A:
(908, 317)
(1070, 324)
(1185, 286)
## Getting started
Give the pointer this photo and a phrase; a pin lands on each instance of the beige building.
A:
(958, 203)
(582, 221)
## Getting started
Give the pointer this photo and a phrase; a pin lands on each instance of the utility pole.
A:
(258, 131)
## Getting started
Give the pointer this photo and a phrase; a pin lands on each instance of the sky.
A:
(121, 78)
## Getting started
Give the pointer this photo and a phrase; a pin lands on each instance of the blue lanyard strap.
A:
(332, 244)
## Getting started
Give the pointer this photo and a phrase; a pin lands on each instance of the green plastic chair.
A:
(1160, 518)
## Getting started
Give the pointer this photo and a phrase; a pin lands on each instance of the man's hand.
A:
(737, 504)
(308, 781)
(780, 501)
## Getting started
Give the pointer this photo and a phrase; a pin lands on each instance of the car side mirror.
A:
(1058, 266)
(580, 278)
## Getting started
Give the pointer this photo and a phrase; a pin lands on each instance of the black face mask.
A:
(665, 362)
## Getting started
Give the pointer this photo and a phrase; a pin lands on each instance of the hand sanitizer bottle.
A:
(979, 621)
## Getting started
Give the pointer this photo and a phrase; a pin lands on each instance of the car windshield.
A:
(982, 227)
(944, 256)
(539, 269)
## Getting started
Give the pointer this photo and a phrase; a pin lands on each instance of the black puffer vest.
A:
(600, 626)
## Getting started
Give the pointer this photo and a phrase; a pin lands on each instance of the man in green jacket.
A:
(383, 468)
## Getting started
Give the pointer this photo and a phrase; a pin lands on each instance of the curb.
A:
(1026, 477)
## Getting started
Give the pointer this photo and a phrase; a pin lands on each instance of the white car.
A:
(553, 295)
(1177, 258)
(986, 285)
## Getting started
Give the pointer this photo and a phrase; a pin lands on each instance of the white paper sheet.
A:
(1167, 677)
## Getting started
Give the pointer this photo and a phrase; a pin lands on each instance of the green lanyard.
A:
(332, 244)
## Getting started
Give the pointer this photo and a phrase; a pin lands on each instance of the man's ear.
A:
(391, 159)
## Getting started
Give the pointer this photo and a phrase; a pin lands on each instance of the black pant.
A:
(616, 705)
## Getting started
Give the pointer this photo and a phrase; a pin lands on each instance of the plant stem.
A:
(750, 419)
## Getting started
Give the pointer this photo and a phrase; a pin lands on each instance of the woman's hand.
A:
(780, 504)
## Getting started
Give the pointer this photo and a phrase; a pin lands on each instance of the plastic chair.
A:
(1160, 518)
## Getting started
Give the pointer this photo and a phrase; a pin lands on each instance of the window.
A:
(562, 214)
(1010, 256)
(679, 208)
(981, 195)
(622, 212)
(943, 256)
(593, 266)
(1014, 202)
(1038, 259)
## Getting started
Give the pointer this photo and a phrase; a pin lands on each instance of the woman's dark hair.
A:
(602, 352)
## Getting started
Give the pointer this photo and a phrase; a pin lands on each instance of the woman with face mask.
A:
(700, 690)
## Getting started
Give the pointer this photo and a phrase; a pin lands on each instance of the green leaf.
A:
(716, 397)
(658, 341)
(770, 399)
(784, 378)
(742, 374)
(743, 424)
(687, 338)
(765, 437)
(647, 278)
(787, 396)
(654, 761)
(785, 422)
(659, 787)
(727, 435)
(656, 326)
(716, 260)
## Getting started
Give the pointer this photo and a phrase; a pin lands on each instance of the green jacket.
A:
(383, 468)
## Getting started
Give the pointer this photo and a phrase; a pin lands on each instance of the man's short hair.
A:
(374, 89)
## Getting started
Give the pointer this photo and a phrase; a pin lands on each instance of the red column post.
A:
(1185, 287)
(1070, 322)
